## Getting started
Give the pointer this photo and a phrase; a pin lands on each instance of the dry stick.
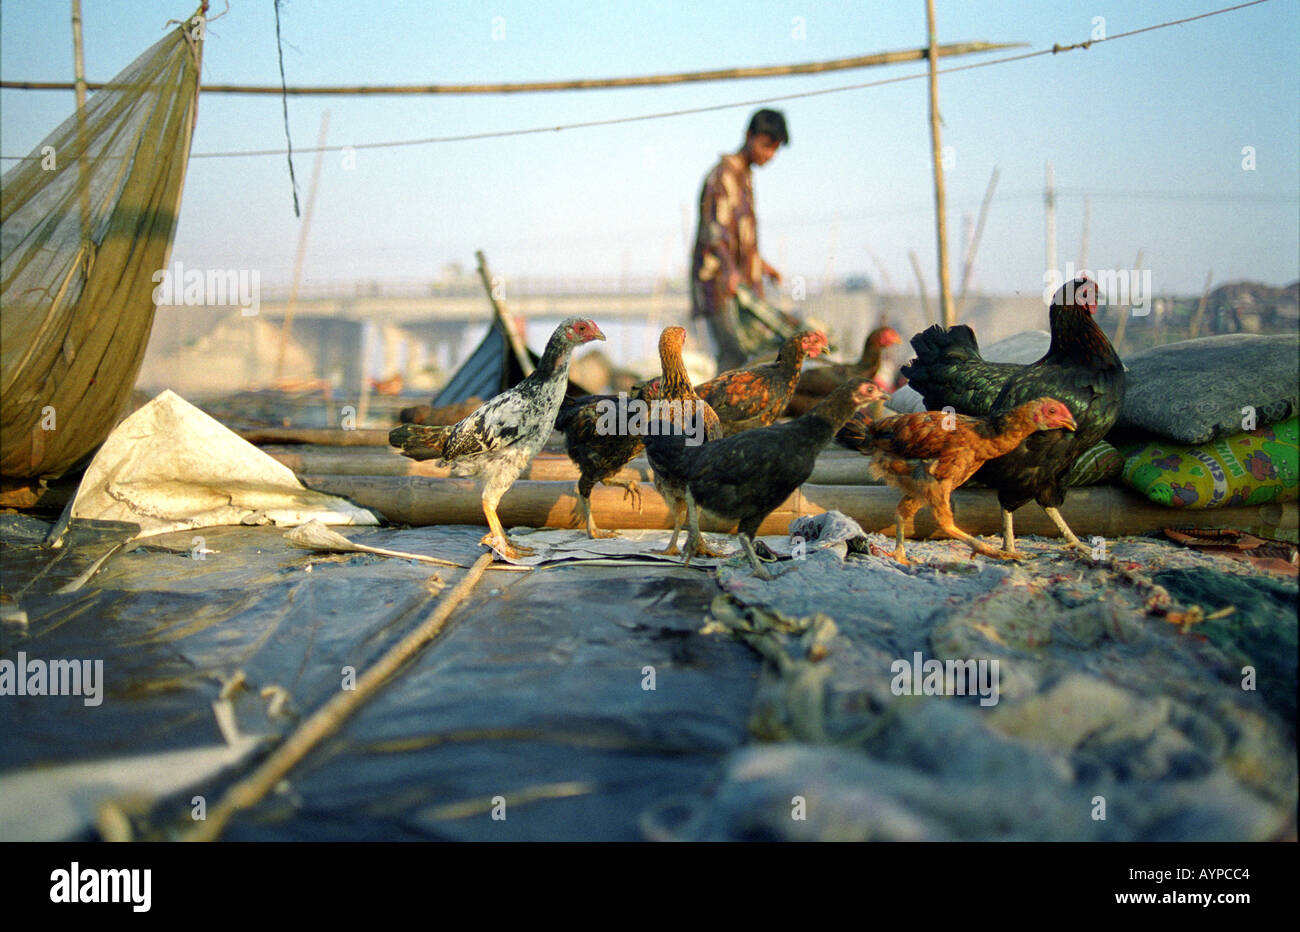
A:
(975, 241)
(1122, 326)
(880, 267)
(940, 199)
(1200, 308)
(580, 84)
(920, 283)
(498, 308)
(287, 327)
(324, 722)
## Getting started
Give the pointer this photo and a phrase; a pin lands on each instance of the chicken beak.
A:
(597, 335)
(1070, 425)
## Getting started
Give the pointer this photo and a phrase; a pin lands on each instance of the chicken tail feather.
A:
(419, 441)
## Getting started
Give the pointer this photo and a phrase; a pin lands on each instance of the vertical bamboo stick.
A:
(920, 284)
(79, 79)
(287, 327)
(979, 233)
(1200, 308)
(936, 144)
(498, 308)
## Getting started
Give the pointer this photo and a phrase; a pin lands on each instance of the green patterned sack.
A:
(1098, 463)
(1249, 468)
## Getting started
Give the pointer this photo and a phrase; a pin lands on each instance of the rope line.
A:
(284, 99)
(1056, 49)
(587, 124)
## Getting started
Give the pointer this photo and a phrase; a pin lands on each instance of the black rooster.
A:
(1081, 369)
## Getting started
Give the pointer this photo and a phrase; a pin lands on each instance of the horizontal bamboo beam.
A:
(320, 436)
(833, 467)
(579, 84)
(1100, 510)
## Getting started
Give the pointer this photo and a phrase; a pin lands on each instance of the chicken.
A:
(590, 425)
(744, 477)
(390, 386)
(755, 397)
(498, 440)
(930, 453)
(679, 424)
(1080, 368)
(446, 415)
(816, 382)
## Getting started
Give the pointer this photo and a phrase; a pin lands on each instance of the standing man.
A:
(726, 239)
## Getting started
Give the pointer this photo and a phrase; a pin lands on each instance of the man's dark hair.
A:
(771, 122)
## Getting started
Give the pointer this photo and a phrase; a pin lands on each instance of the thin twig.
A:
(326, 720)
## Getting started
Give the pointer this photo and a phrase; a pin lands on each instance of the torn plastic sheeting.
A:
(63, 803)
(170, 467)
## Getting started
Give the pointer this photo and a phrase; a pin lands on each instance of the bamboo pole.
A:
(579, 84)
(79, 82)
(498, 308)
(374, 437)
(1097, 510)
(940, 199)
(287, 327)
(1200, 307)
(833, 466)
(330, 717)
(969, 263)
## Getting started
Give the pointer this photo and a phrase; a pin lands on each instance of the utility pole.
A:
(941, 223)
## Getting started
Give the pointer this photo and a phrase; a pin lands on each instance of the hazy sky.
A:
(1151, 126)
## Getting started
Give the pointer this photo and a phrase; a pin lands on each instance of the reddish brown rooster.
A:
(930, 453)
(679, 422)
(816, 382)
(755, 397)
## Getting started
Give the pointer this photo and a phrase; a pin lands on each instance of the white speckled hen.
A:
(498, 440)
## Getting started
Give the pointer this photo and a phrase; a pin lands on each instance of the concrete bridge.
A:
(347, 334)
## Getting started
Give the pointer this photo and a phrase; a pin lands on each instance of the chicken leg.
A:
(1008, 532)
(632, 490)
(1072, 542)
(680, 519)
(496, 536)
(943, 516)
(695, 546)
(759, 569)
(903, 514)
(699, 548)
(595, 533)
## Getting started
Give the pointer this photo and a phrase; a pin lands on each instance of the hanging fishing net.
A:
(85, 222)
